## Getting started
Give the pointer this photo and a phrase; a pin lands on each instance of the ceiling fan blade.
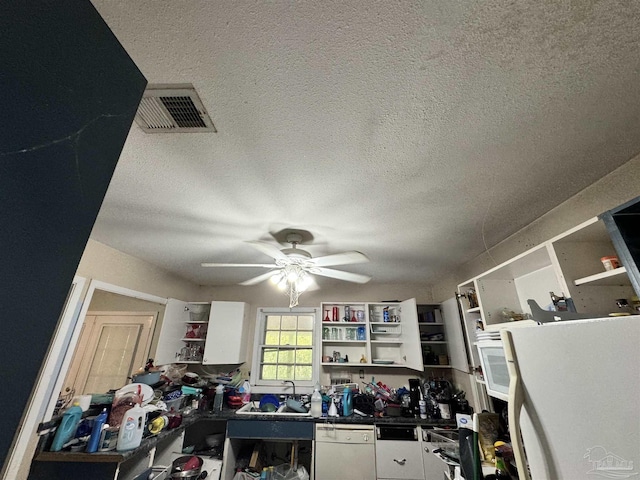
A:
(268, 249)
(258, 279)
(344, 258)
(262, 265)
(340, 275)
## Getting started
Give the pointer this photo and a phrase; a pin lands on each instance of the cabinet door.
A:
(171, 331)
(454, 335)
(399, 459)
(434, 468)
(411, 347)
(227, 335)
(344, 460)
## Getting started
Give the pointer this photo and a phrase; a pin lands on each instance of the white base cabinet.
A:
(345, 452)
(398, 459)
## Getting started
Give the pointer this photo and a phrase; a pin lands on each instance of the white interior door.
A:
(112, 346)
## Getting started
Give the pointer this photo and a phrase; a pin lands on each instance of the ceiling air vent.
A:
(172, 108)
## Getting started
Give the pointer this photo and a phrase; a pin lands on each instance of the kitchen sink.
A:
(253, 408)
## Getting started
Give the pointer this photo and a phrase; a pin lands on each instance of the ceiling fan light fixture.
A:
(293, 269)
(276, 277)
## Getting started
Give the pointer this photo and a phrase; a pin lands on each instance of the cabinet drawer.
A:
(399, 459)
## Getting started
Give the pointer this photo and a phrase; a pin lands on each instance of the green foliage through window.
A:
(287, 352)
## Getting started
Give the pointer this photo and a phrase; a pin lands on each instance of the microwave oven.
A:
(494, 368)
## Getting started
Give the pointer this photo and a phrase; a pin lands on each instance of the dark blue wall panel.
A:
(69, 95)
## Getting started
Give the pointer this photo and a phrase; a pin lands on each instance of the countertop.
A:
(227, 414)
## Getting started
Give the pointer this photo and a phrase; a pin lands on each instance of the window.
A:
(285, 347)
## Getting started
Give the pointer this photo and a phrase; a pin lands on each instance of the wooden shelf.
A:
(473, 310)
(430, 323)
(193, 339)
(608, 277)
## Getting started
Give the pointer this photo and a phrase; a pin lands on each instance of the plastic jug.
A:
(131, 429)
(67, 428)
(245, 390)
(316, 403)
(347, 402)
(218, 400)
(96, 431)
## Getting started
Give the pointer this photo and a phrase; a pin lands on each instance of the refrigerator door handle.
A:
(515, 405)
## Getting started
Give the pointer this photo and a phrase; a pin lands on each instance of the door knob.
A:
(400, 462)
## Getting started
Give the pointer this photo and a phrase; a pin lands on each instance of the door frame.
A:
(77, 329)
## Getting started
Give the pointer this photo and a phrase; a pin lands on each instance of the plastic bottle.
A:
(347, 402)
(96, 431)
(245, 390)
(131, 428)
(67, 428)
(218, 400)
(316, 402)
(501, 469)
(333, 410)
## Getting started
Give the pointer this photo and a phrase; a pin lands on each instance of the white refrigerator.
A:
(574, 396)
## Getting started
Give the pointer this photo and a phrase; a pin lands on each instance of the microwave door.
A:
(494, 366)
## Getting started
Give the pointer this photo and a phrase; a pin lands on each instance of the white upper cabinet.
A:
(370, 333)
(227, 334)
(203, 333)
(569, 266)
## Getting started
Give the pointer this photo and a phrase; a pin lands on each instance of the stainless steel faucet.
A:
(292, 384)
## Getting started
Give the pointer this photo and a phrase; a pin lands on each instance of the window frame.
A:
(276, 386)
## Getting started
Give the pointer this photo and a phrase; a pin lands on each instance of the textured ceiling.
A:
(416, 132)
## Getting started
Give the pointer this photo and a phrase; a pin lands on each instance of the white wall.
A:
(100, 262)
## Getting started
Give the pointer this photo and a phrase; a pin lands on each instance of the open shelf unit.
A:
(384, 332)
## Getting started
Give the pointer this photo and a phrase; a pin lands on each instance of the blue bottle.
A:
(96, 431)
(67, 428)
(347, 402)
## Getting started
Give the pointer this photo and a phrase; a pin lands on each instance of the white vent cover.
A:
(172, 108)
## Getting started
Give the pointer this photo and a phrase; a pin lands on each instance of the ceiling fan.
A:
(293, 267)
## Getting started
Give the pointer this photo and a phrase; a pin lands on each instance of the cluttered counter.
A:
(249, 434)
